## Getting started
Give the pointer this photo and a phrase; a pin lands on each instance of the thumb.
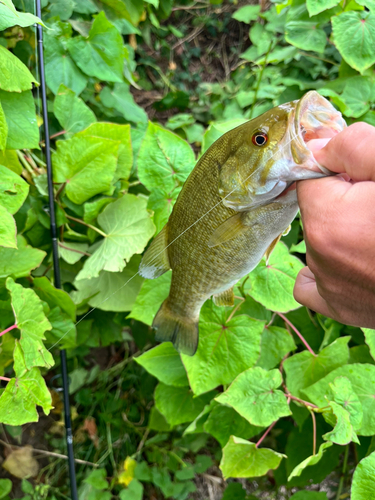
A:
(306, 293)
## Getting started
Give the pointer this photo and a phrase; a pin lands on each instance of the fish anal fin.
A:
(225, 298)
(181, 331)
(229, 229)
(155, 261)
(271, 248)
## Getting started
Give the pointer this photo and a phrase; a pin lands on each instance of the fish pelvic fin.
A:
(181, 331)
(271, 248)
(228, 230)
(225, 298)
(155, 261)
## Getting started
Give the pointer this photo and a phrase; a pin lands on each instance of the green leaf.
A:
(5, 487)
(32, 323)
(272, 284)
(9, 159)
(224, 422)
(317, 6)
(19, 262)
(128, 228)
(305, 35)
(54, 297)
(247, 13)
(63, 329)
(8, 229)
(299, 248)
(309, 495)
(363, 485)
(121, 100)
(157, 359)
(14, 75)
(21, 395)
(61, 8)
(225, 348)
(178, 404)
(161, 203)
(19, 110)
(303, 369)
(254, 395)
(342, 392)
(60, 68)
(164, 160)
(72, 252)
(343, 432)
(13, 190)
(116, 132)
(133, 492)
(9, 18)
(97, 479)
(312, 460)
(354, 34)
(357, 96)
(362, 378)
(71, 112)
(276, 343)
(151, 296)
(3, 129)
(93, 208)
(370, 340)
(157, 422)
(111, 291)
(87, 164)
(101, 54)
(217, 129)
(242, 458)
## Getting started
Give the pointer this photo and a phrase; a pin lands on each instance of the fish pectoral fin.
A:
(287, 230)
(225, 298)
(228, 230)
(155, 261)
(271, 248)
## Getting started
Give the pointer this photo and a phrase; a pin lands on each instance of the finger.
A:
(306, 293)
(351, 151)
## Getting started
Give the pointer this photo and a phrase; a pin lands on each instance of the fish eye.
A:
(259, 139)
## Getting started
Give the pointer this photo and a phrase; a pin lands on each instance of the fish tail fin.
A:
(181, 331)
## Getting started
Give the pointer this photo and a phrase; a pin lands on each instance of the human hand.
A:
(339, 225)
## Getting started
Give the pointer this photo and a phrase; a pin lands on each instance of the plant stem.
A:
(8, 329)
(265, 434)
(305, 403)
(234, 310)
(299, 334)
(62, 132)
(260, 80)
(25, 163)
(73, 249)
(110, 447)
(314, 430)
(88, 225)
(342, 478)
(6, 379)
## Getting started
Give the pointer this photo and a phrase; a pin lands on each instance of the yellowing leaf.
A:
(21, 463)
(127, 475)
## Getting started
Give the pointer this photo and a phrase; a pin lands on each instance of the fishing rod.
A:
(55, 252)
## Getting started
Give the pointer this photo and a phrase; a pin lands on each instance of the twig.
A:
(314, 430)
(8, 330)
(85, 224)
(299, 334)
(191, 7)
(265, 434)
(190, 37)
(143, 440)
(73, 249)
(62, 132)
(50, 454)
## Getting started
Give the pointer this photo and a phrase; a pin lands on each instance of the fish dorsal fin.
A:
(228, 230)
(225, 298)
(155, 261)
(270, 249)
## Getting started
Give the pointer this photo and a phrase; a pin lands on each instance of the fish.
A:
(232, 210)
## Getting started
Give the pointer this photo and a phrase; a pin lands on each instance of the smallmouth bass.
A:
(232, 210)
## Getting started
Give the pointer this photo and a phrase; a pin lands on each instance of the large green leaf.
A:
(63, 329)
(247, 13)
(14, 75)
(111, 291)
(242, 458)
(9, 159)
(19, 262)
(164, 160)
(272, 284)
(254, 395)
(357, 96)
(54, 297)
(101, 54)
(217, 129)
(354, 34)
(304, 369)
(370, 340)
(150, 298)
(305, 35)
(223, 422)
(8, 229)
(155, 361)
(363, 485)
(60, 67)
(342, 393)
(13, 190)
(317, 6)
(178, 404)
(121, 100)
(128, 228)
(343, 432)
(10, 17)
(161, 203)
(71, 111)
(87, 164)
(19, 110)
(3, 130)
(312, 460)
(362, 378)
(276, 343)
(309, 495)
(225, 348)
(32, 323)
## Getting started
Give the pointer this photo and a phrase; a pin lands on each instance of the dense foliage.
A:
(274, 392)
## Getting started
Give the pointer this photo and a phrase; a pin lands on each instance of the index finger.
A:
(351, 151)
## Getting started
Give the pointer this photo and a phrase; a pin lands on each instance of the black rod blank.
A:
(55, 253)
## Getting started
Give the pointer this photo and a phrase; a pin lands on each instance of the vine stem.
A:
(342, 478)
(8, 329)
(73, 249)
(305, 403)
(265, 434)
(88, 225)
(298, 333)
(314, 430)
(5, 378)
